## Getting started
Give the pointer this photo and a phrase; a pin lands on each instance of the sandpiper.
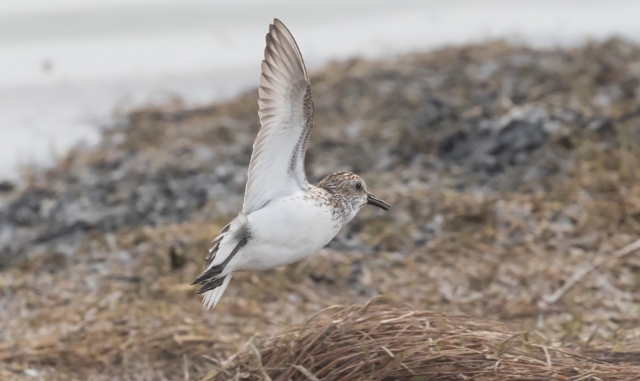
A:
(284, 219)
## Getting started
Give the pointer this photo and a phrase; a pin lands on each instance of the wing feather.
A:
(286, 118)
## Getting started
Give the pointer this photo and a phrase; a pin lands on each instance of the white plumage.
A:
(286, 118)
(284, 219)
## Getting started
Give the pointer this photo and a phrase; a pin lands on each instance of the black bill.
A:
(377, 201)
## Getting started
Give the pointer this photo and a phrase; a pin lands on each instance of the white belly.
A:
(285, 231)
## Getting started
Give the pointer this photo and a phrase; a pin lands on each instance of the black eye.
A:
(358, 186)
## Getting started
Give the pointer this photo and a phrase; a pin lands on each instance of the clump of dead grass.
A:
(376, 342)
(101, 291)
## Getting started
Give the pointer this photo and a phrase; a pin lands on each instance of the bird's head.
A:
(351, 188)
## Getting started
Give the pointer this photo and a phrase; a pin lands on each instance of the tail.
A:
(212, 297)
(215, 279)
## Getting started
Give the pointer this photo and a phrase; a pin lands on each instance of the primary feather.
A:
(286, 117)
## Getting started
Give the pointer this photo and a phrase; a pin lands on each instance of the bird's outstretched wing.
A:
(286, 118)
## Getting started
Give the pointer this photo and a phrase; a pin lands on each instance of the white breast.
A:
(285, 231)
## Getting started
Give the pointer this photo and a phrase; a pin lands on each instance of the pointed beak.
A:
(377, 201)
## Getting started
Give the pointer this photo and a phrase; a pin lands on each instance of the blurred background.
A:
(504, 133)
(71, 67)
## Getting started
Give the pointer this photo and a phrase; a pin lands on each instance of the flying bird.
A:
(284, 219)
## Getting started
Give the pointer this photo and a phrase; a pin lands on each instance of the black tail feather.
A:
(214, 271)
(211, 284)
(210, 273)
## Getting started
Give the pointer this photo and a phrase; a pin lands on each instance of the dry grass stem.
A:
(357, 343)
(578, 275)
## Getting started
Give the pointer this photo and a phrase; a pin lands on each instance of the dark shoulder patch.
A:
(243, 235)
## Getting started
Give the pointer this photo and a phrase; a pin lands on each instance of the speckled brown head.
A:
(350, 188)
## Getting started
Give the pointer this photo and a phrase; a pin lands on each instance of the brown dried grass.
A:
(120, 309)
(376, 342)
